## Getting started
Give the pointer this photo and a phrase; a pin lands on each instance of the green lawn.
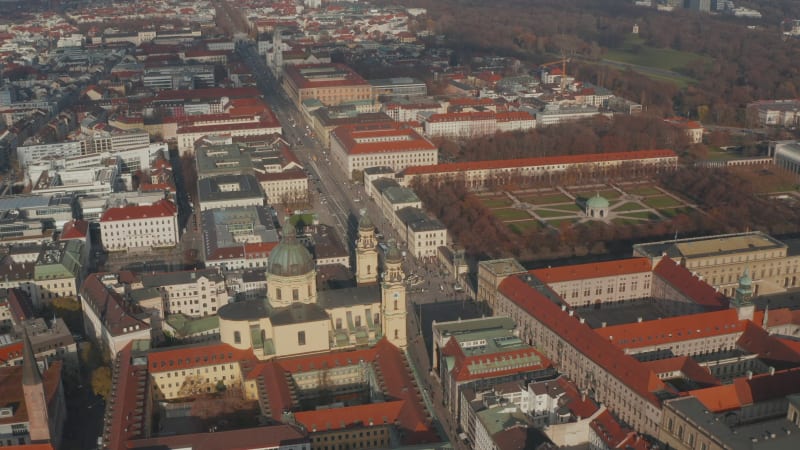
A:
(609, 194)
(642, 190)
(639, 215)
(546, 199)
(629, 206)
(661, 202)
(565, 207)
(547, 213)
(522, 226)
(635, 51)
(496, 202)
(505, 214)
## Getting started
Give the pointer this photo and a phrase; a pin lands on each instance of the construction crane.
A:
(563, 61)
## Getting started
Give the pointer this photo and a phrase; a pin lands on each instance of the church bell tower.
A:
(366, 252)
(393, 299)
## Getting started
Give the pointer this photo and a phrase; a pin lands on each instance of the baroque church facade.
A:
(296, 318)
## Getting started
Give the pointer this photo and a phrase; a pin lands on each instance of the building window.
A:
(397, 334)
(358, 321)
(339, 324)
(301, 338)
(237, 337)
(295, 295)
(278, 294)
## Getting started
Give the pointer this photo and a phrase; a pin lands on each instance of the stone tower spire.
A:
(742, 298)
(393, 298)
(366, 252)
(33, 392)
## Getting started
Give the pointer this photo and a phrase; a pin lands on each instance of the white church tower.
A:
(393, 299)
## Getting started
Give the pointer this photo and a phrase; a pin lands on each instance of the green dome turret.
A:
(393, 254)
(597, 202)
(365, 223)
(290, 257)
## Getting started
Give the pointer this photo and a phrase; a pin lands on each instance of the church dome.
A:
(393, 254)
(290, 257)
(597, 202)
(745, 280)
(365, 223)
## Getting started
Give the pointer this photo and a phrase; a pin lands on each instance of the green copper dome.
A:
(365, 223)
(290, 257)
(745, 280)
(393, 254)
(597, 202)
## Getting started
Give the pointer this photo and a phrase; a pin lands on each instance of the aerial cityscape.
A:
(399, 224)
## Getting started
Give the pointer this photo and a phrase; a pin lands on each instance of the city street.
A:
(339, 203)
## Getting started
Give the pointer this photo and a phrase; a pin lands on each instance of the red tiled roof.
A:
(326, 360)
(126, 415)
(688, 366)
(161, 208)
(681, 279)
(578, 404)
(75, 229)
(607, 428)
(463, 365)
(349, 135)
(272, 436)
(744, 392)
(768, 347)
(19, 305)
(352, 416)
(461, 117)
(10, 352)
(179, 358)
(593, 270)
(674, 329)
(623, 367)
(540, 161)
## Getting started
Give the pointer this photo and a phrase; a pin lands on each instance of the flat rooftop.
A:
(775, 434)
(710, 246)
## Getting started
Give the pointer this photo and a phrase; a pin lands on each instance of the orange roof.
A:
(464, 368)
(353, 416)
(744, 391)
(674, 329)
(10, 352)
(593, 270)
(541, 161)
(687, 366)
(326, 360)
(772, 349)
(718, 398)
(179, 358)
(690, 286)
(625, 368)
(381, 137)
(607, 428)
(74, 229)
(161, 208)
(461, 117)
